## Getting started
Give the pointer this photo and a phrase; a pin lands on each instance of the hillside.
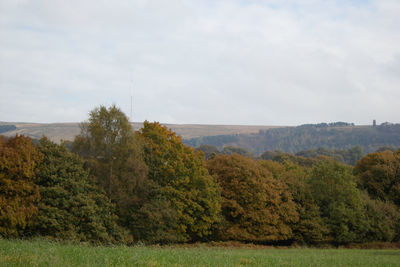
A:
(311, 136)
(256, 139)
(67, 131)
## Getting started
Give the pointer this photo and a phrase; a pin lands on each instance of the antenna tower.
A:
(131, 89)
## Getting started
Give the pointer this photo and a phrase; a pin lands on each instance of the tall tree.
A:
(182, 178)
(72, 207)
(19, 195)
(113, 154)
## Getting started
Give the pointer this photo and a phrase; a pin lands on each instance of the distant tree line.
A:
(334, 136)
(6, 128)
(348, 156)
(118, 186)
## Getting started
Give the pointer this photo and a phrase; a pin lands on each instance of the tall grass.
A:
(45, 253)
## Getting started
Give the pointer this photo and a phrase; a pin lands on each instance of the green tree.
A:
(208, 150)
(182, 179)
(72, 207)
(114, 156)
(230, 150)
(19, 195)
(383, 220)
(255, 206)
(335, 191)
(310, 228)
(379, 174)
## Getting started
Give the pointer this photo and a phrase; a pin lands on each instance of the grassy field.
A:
(43, 253)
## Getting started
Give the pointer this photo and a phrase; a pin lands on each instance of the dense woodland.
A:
(118, 186)
(334, 136)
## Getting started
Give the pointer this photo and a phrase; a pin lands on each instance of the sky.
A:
(247, 62)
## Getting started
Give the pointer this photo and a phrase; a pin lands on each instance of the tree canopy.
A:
(19, 195)
(182, 178)
(72, 207)
(113, 154)
(255, 206)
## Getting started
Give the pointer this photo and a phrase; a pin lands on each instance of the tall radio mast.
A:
(131, 89)
(131, 108)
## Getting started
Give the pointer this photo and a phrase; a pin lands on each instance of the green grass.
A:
(43, 253)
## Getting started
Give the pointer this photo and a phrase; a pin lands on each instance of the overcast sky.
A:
(255, 62)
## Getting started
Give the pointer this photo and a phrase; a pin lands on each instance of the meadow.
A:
(45, 253)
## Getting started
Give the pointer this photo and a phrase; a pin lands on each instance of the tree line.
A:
(333, 136)
(118, 186)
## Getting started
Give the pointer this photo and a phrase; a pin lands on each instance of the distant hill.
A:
(311, 136)
(256, 139)
(67, 131)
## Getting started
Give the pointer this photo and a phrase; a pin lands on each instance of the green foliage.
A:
(230, 150)
(71, 206)
(208, 150)
(383, 220)
(113, 154)
(336, 136)
(155, 220)
(379, 174)
(19, 195)
(283, 158)
(335, 191)
(310, 228)
(255, 206)
(182, 183)
(349, 156)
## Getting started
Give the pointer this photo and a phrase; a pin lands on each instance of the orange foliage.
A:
(255, 206)
(18, 193)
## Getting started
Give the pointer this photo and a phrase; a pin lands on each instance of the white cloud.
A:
(227, 62)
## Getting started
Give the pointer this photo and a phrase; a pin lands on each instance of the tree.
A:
(255, 206)
(72, 207)
(230, 150)
(208, 150)
(19, 195)
(181, 179)
(383, 220)
(335, 191)
(113, 154)
(379, 174)
(310, 228)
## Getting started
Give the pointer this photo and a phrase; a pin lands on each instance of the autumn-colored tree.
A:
(255, 206)
(310, 228)
(19, 195)
(379, 174)
(72, 207)
(113, 154)
(182, 180)
(335, 191)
